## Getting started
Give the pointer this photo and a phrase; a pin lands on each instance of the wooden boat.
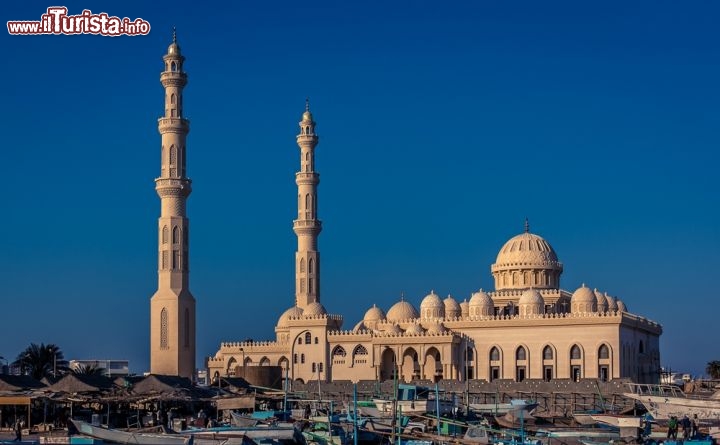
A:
(663, 401)
(413, 399)
(127, 437)
(240, 420)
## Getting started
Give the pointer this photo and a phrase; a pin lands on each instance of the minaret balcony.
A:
(307, 178)
(173, 125)
(307, 226)
(173, 186)
(173, 78)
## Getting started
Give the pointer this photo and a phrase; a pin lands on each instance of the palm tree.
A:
(713, 369)
(89, 369)
(41, 361)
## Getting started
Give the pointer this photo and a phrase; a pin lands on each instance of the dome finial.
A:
(174, 35)
(307, 103)
(527, 225)
(402, 296)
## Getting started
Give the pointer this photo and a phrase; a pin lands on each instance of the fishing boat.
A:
(663, 401)
(129, 437)
(412, 399)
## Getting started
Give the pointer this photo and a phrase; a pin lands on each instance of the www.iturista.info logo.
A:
(56, 21)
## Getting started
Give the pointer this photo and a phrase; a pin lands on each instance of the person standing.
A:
(694, 426)
(18, 430)
(686, 427)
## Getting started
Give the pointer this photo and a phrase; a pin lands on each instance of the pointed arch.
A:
(338, 351)
(283, 362)
(173, 66)
(264, 361)
(359, 355)
(548, 353)
(231, 364)
(603, 352)
(311, 266)
(302, 265)
(521, 353)
(173, 155)
(575, 352)
(308, 338)
(165, 233)
(172, 99)
(494, 354)
(164, 329)
(176, 235)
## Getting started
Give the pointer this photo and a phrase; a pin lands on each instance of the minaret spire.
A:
(307, 226)
(172, 308)
(527, 225)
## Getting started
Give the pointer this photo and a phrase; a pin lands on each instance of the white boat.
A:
(128, 437)
(663, 401)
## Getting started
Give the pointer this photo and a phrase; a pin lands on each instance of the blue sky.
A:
(442, 127)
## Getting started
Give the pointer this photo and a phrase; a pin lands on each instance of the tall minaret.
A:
(307, 227)
(172, 308)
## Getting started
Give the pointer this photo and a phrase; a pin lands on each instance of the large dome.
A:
(527, 260)
(401, 311)
(583, 300)
(292, 312)
(481, 304)
(374, 314)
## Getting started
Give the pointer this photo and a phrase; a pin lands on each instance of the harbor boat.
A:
(663, 401)
(128, 437)
(412, 399)
(503, 408)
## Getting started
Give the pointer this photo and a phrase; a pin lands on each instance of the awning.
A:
(247, 402)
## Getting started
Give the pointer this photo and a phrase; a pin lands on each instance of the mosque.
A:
(527, 328)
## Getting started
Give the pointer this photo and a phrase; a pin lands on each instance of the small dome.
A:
(314, 309)
(414, 329)
(174, 49)
(480, 304)
(392, 329)
(464, 308)
(374, 314)
(432, 306)
(307, 116)
(436, 328)
(452, 308)
(401, 311)
(292, 312)
(602, 305)
(531, 296)
(621, 306)
(612, 302)
(583, 300)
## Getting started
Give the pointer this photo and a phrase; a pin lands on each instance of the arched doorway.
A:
(387, 365)
(433, 365)
(410, 368)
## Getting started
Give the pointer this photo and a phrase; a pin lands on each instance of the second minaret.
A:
(307, 226)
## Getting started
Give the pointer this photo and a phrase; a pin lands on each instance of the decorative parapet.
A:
(332, 317)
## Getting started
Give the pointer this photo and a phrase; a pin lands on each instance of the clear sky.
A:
(442, 126)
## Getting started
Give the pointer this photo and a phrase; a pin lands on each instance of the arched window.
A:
(299, 340)
(469, 354)
(320, 367)
(302, 358)
(308, 338)
(295, 359)
(494, 354)
(173, 66)
(307, 130)
(521, 354)
(173, 155)
(360, 350)
(164, 329)
(176, 235)
(313, 367)
(311, 266)
(339, 351)
(307, 201)
(302, 265)
(575, 352)
(316, 340)
(547, 353)
(604, 352)
(172, 99)
(165, 235)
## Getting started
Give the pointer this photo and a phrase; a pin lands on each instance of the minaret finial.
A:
(174, 35)
(307, 103)
(527, 225)
(402, 296)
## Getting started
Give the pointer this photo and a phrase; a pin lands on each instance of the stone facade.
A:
(528, 328)
(172, 308)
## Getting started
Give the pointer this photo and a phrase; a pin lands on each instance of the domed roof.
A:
(292, 312)
(602, 305)
(374, 314)
(314, 309)
(464, 308)
(621, 306)
(583, 294)
(452, 308)
(435, 328)
(414, 329)
(480, 298)
(432, 300)
(611, 302)
(527, 249)
(392, 329)
(402, 310)
(531, 296)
